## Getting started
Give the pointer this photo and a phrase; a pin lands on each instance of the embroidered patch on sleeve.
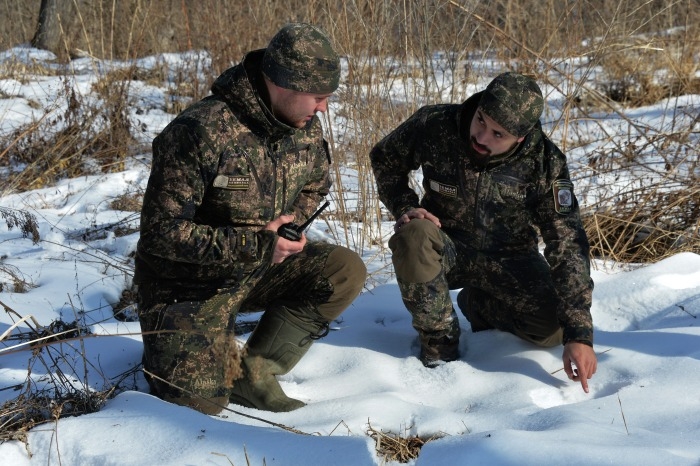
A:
(563, 196)
(235, 183)
(444, 189)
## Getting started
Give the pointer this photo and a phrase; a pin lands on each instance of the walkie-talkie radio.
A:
(292, 231)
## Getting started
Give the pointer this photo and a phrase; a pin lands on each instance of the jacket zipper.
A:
(477, 198)
(257, 180)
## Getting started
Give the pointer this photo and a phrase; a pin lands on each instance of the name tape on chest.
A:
(511, 192)
(444, 189)
(563, 196)
(235, 183)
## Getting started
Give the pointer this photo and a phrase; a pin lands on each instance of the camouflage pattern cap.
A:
(300, 57)
(514, 101)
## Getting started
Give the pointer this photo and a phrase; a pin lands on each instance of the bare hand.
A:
(283, 247)
(416, 213)
(583, 358)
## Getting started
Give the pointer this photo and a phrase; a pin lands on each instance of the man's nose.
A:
(480, 137)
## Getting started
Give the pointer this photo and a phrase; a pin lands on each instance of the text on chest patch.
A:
(236, 183)
(444, 189)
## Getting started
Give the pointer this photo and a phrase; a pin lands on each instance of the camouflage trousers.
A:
(512, 293)
(191, 356)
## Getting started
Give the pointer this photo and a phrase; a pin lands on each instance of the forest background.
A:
(638, 51)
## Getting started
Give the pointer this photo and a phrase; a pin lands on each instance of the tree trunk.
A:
(56, 18)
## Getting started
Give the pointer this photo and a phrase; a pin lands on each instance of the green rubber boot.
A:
(276, 345)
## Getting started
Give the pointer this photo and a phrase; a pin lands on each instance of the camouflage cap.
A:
(514, 101)
(300, 57)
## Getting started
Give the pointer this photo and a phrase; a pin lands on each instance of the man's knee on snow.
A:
(208, 406)
(547, 341)
(468, 304)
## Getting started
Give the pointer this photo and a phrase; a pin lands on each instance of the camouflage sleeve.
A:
(392, 159)
(567, 251)
(183, 166)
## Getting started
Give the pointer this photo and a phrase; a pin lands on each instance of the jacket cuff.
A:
(578, 334)
(251, 245)
(402, 210)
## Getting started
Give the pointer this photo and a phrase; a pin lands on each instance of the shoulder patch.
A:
(563, 196)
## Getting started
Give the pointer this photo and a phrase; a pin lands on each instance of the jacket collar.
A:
(243, 89)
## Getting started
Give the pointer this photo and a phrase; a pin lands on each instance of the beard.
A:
(479, 148)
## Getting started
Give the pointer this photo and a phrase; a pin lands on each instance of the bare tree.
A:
(56, 25)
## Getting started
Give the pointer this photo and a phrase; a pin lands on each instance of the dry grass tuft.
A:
(33, 408)
(56, 394)
(127, 202)
(648, 233)
(86, 138)
(12, 280)
(653, 210)
(642, 69)
(23, 220)
(26, 222)
(394, 447)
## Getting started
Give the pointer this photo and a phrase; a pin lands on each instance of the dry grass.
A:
(648, 204)
(659, 225)
(23, 220)
(59, 392)
(87, 137)
(397, 448)
(12, 278)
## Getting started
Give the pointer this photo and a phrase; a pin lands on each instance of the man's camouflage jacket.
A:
(496, 208)
(222, 170)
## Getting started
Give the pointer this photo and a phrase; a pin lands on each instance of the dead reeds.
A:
(393, 447)
(59, 392)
